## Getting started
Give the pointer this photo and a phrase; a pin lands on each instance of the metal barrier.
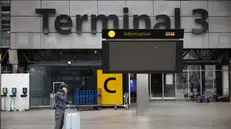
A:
(86, 98)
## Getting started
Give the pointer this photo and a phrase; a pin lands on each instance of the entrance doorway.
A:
(195, 79)
(156, 86)
(162, 86)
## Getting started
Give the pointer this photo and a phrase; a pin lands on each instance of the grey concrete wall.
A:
(26, 26)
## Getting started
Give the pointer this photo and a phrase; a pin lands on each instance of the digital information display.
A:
(142, 33)
(142, 57)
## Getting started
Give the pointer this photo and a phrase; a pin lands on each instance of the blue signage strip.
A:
(133, 85)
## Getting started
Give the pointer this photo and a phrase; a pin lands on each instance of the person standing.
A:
(60, 105)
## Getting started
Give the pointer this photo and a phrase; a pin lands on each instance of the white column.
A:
(225, 79)
(142, 94)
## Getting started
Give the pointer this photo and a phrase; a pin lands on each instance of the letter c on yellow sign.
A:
(112, 87)
(106, 86)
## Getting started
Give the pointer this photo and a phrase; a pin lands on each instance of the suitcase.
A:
(73, 121)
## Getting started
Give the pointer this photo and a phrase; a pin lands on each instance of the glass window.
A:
(5, 24)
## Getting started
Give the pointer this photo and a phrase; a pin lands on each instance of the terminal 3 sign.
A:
(63, 23)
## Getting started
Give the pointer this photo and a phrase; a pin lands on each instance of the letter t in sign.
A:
(45, 13)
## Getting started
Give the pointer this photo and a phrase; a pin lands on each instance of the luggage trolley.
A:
(52, 95)
(88, 98)
(126, 102)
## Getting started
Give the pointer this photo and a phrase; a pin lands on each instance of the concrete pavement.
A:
(161, 115)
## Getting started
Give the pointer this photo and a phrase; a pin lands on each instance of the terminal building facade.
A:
(61, 41)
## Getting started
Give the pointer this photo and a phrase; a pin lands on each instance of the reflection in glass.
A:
(42, 78)
(190, 81)
(195, 84)
(210, 80)
(169, 87)
(182, 86)
(156, 85)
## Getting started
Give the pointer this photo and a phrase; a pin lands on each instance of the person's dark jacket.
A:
(60, 100)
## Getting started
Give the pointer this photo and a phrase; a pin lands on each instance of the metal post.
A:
(150, 86)
(201, 89)
(0, 89)
(163, 85)
(229, 72)
(1, 25)
(214, 77)
(129, 89)
(175, 86)
(142, 94)
(188, 78)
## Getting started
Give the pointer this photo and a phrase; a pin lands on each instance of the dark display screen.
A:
(144, 57)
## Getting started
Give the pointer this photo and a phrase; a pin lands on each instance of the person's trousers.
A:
(59, 119)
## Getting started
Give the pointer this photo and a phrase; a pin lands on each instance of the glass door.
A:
(169, 86)
(162, 86)
(195, 81)
(210, 80)
(156, 86)
(182, 85)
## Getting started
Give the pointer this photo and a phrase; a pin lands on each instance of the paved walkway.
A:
(167, 115)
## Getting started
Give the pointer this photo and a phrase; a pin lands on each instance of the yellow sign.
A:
(111, 33)
(112, 87)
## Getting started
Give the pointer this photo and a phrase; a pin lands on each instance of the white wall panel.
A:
(188, 23)
(55, 0)
(196, 41)
(220, 24)
(55, 41)
(165, 7)
(83, 7)
(25, 24)
(219, 8)
(188, 6)
(51, 24)
(94, 41)
(62, 7)
(156, 21)
(25, 40)
(28, 25)
(220, 40)
(141, 23)
(86, 25)
(86, 41)
(77, 41)
(24, 8)
(111, 7)
(140, 7)
(110, 24)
